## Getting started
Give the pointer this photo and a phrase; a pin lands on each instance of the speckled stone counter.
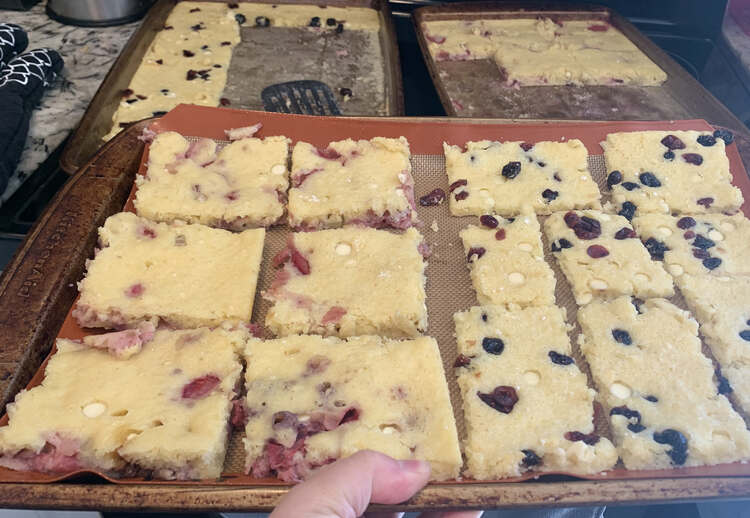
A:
(88, 55)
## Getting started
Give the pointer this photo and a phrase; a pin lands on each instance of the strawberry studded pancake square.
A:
(348, 282)
(365, 182)
(183, 275)
(162, 413)
(312, 400)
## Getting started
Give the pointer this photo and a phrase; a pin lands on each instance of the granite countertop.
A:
(88, 54)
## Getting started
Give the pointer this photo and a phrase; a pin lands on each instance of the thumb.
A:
(345, 488)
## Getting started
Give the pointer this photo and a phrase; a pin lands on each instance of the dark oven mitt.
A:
(13, 41)
(22, 83)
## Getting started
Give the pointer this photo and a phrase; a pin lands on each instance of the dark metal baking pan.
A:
(474, 89)
(97, 120)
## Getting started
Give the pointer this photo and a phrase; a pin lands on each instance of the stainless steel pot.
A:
(97, 13)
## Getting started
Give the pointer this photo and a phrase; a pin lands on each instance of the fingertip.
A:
(398, 480)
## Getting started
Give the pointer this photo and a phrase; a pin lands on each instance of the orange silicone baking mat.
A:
(448, 283)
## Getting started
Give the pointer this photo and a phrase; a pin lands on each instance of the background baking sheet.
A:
(369, 67)
(448, 283)
(475, 88)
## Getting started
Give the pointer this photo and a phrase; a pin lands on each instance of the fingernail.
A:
(415, 466)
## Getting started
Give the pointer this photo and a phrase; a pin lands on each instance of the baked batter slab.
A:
(366, 182)
(506, 262)
(602, 257)
(683, 172)
(657, 386)
(546, 52)
(509, 178)
(348, 282)
(90, 411)
(183, 275)
(186, 63)
(704, 244)
(242, 185)
(315, 17)
(312, 400)
(722, 306)
(527, 406)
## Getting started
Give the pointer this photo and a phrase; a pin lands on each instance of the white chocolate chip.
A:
(585, 298)
(516, 278)
(666, 231)
(343, 249)
(388, 428)
(715, 235)
(619, 390)
(278, 169)
(526, 247)
(531, 377)
(675, 269)
(130, 436)
(434, 225)
(93, 410)
(641, 278)
(401, 177)
(598, 284)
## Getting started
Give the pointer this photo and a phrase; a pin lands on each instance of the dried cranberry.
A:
(598, 27)
(557, 177)
(200, 387)
(484, 317)
(240, 18)
(345, 92)
(188, 53)
(195, 9)
(622, 337)
(745, 335)
(262, 21)
(493, 345)
(707, 140)
(597, 251)
(317, 364)
(127, 92)
(530, 458)
(462, 361)
(703, 242)
(656, 248)
(191, 74)
(669, 155)
(455, 185)
(500, 234)
(560, 244)
(677, 441)
(560, 359)
(159, 61)
(571, 219)
(224, 101)
(314, 21)
(689, 234)
(434, 197)
(649, 180)
(712, 263)
(588, 228)
(685, 223)
(543, 164)
(328, 153)
(706, 202)
(673, 142)
(461, 195)
(630, 186)
(589, 439)
(502, 399)
(340, 28)
(488, 221)
(511, 170)
(526, 146)
(625, 233)
(199, 26)
(653, 399)
(724, 135)
(692, 158)
(135, 290)
(700, 253)
(475, 251)
(633, 417)
(614, 178)
(549, 194)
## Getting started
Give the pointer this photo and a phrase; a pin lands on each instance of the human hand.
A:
(345, 488)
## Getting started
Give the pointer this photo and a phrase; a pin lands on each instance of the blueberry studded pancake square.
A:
(602, 257)
(679, 172)
(702, 244)
(506, 262)
(518, 379)
(659, 390)
(509, 178)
